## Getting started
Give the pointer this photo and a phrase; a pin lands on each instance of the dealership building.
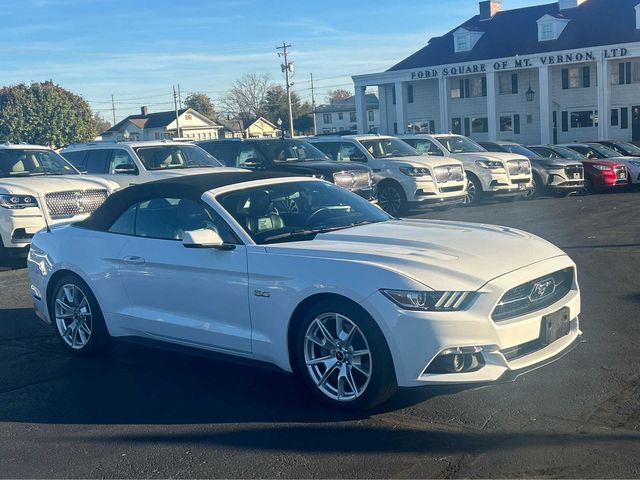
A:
(553, 73)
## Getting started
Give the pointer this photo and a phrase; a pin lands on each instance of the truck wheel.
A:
(474, 191)
(391, 199)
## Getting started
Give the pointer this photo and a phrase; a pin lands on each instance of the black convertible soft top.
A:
(187, 186)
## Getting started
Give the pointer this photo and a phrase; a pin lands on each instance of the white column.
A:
(492, 115)
(401, 111)
(361, 109)
(384, 111)
(443, 93)
(604, 99)
(546, 118)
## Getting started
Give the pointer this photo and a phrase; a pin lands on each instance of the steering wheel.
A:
(317, 213)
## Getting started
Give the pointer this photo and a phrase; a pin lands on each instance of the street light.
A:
(530, 94)
(279, 122)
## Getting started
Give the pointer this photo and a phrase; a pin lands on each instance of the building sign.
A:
(516, 63)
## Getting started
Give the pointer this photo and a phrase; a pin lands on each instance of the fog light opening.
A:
(457, 360)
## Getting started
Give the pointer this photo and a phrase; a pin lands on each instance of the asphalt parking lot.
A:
(147, 413)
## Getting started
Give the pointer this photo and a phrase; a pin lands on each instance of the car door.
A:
(192, 296)
(122, 168)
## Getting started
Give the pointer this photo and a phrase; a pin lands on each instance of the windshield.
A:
(290, 151)
(566, 152)
(388, 147)
(297, 211)
(605, 152)
(163, 157)
(459, 144)
(27, 162)
(520, 150)
(628, 148)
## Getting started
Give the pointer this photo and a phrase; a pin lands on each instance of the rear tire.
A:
(77, 317)
(342, 356)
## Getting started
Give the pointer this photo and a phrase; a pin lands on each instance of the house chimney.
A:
(488, 8)
(566, 4)
(144, 111)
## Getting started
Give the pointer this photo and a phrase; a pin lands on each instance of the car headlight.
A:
(319, 176)
(601, 167)
(429, 301)
(415, 171)
(17, 201)
(489, 164)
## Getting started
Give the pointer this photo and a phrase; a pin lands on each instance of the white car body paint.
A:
(207, 299)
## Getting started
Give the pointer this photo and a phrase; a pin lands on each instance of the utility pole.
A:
(288, 68)
(113, 109)
(313, 107)
(175, 104)
(179, 98)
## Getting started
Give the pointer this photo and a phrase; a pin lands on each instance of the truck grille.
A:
(353, 179)
(519, 167)
(449, 173)
(74, 202)
(534, 295)
(575, 172)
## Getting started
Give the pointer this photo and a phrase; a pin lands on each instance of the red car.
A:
(601, 173)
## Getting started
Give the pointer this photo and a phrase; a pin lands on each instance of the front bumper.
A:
(501, 183)
(366, 193)
(426, 190)
(17, 227)
(416, 338)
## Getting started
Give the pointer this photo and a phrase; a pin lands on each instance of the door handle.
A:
(133, 260)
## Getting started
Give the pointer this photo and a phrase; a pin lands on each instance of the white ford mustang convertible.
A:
(301, 274)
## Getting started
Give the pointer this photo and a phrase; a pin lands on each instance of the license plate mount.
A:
(555, 326)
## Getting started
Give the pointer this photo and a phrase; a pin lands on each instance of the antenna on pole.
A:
(175, 104)
(179, 98)
(113, 109)
(288, 69)
(313, 107)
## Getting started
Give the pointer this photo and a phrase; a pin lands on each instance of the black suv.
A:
(288, 155)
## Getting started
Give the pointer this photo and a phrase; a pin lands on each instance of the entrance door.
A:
(635, 123)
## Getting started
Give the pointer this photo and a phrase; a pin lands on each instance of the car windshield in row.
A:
(297, 211)
(290, 151)
(459, 144)
(175, 157)
(28, 162)
(520, 150)
(627, 148)
(604, 152)
(566, 152)
(389, 147)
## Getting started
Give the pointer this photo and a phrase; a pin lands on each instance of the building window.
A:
(576, 77)
(326, 130)
(370, 115)
(457, 89)
(508, 83)
(476, 87)
(529, 119)
(479, 125)
(188, 116)
(462, 43)
(393, 94)
(409, 93)
(628, 72)
(584, 119)
(340, 116)
(547, 32)
(326, 118)
(456, 126)
(426, 126)
(615, 118)
(624, 118)
(510, 124)
(352, 117)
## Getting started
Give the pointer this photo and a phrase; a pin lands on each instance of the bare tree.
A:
(334, 96)
(247, 97)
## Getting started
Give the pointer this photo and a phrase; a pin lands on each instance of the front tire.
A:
(342, 357)
(538, 188)
(77, 317)
(474, 191)
(391, 199)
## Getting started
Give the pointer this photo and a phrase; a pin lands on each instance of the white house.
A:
(551, 73)
(340, 116)
(164, 125)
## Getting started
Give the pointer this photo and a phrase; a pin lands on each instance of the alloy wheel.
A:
(73, 316)
(472, 193)
(337, 357)
(390, 200)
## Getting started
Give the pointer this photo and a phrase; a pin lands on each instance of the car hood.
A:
(547, 162)
(424, 160)
(476, 156)
(441, 255)
(311, 167)
(53, 183)
(179, 172)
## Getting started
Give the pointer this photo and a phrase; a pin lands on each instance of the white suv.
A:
(403, 176)
(129, 163)
(488, 172)
(38, 188)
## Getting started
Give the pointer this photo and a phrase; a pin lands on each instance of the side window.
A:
(125, 225)
(97, 161)
(170, 218)
(121, 162)
(426, 147)
(246, 153)
(328, 148)
(349, 152)
(225, 152)
(75, 158)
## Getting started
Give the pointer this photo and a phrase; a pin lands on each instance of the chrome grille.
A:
(572, 170)
(519, 167)
(73, 202)
(534, 295)
(353, 179)
(448, 173)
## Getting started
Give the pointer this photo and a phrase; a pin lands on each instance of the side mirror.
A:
(205, 238)
(125, 169)
(256, 163)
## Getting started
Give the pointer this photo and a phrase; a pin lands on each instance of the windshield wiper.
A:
(315, 231)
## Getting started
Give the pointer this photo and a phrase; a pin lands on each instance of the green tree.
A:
(201, 103)
(102, 125)
(334, 96)
(44, 113)
(276, 106)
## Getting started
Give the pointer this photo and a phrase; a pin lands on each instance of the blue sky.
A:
(136, 50)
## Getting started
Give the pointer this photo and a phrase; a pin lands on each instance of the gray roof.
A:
(349, 104)
(515, 32)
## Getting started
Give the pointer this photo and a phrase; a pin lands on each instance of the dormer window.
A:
(465, 40)
(550, 28)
